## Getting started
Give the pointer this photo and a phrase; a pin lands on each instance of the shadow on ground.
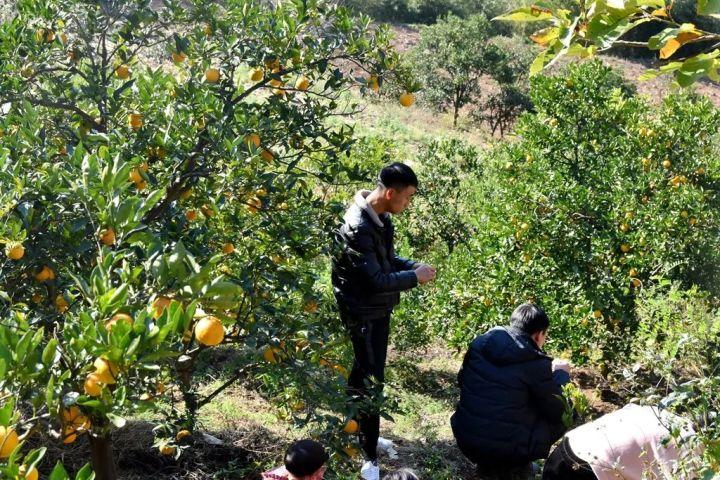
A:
(240, 457)
(438, 384)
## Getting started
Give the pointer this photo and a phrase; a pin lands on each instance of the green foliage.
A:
(438, 217)
(453, 56)
(582, 32)
(675, 361)
(579, 214)
(576, 406)
(127, 178)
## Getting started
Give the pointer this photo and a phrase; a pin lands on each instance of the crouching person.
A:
(510, 409)
(304, 460)
(633, 442)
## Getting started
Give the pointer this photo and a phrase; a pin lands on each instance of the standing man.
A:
(367, 279)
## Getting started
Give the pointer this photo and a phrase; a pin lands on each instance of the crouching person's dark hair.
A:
(305, 457)
(529, 319)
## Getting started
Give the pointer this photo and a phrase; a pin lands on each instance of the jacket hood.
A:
(507, 346)
(360, 201)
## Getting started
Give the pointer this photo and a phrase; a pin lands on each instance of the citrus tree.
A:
(600, 195)
(588, 27)
(160, 171)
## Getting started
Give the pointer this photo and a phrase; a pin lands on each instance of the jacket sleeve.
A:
(545, 392)
(365, 259)
(401, 264)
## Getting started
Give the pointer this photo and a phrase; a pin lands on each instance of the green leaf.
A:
(6, 412)
(710, 8)
(48, 355)
(85, 473)
(116, 420)
(59, 472)
(526, 14)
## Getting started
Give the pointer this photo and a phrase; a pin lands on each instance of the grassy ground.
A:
(254, 436)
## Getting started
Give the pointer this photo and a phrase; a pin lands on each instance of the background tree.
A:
(453, 56)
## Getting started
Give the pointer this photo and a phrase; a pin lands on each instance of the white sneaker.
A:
(386, 446)
(370, 470)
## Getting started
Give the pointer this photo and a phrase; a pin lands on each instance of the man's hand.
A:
(425, 273)
(561, 364)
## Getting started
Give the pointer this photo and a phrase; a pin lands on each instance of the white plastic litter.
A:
(387, 447)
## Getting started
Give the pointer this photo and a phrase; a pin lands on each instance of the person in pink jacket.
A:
(304, 460)
(632, 443)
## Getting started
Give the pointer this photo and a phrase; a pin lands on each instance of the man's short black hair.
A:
(529, 319)
(398, 176)
(305, 457)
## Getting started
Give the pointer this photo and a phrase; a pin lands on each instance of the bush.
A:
(675, 361)
(599, 195)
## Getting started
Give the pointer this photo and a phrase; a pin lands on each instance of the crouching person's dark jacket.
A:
(367, 275)
(510, 407)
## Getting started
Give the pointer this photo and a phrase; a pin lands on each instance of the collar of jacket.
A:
(361, 201)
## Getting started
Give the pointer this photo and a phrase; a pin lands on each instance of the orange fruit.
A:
(212, 75)
(178, 57)
(256, 74)
(159, 305)
(597, 314)
(118, 317)
(8, 441)
(106, 371)
(45, 274)
(182, 434)
(31, 474)
(209, 331)
(407, 99)
(14, 250)
(107, 237)
(93, 385)
(351, 427)
(167, 450)
(135, 120)
(252, 138)
(122, 72)
(191, 215)
(302, 83)
(228, 248)
(633, 272)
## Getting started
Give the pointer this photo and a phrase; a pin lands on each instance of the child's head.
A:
(532, 321)
(402, 474)
(306, 459)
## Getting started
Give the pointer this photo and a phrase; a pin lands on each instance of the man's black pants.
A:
(369, 339)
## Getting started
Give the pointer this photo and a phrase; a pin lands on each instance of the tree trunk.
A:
(102, 458)
(456, 105)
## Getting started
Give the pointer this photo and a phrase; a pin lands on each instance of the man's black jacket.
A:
(367, 275)
(510, 406)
